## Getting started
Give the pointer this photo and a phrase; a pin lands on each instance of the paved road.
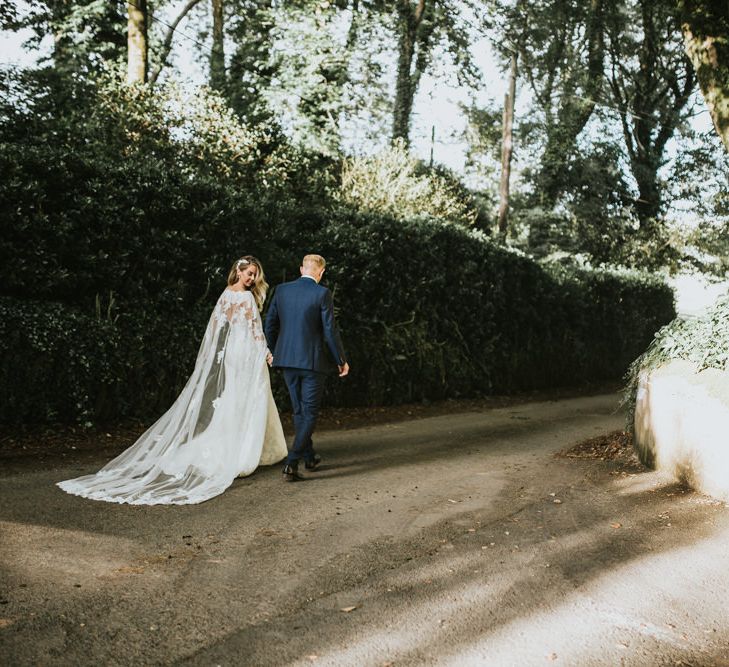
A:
(454, 540)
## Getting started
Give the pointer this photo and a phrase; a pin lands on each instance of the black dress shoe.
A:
(314, 463)
(291, 474)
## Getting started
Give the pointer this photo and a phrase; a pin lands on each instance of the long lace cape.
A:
(223, 424)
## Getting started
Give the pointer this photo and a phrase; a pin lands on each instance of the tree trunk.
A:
(408, 20)
(705, 26)
(137, 41)
(217, 54)
(507, 147)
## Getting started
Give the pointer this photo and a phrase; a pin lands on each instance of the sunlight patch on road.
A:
(629, 609)
(648, 482)
(53, 555)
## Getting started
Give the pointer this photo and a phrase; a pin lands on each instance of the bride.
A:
(224, 423)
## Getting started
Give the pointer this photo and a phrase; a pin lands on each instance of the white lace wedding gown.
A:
(223, 425)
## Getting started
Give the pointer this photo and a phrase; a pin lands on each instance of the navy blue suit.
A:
(305, 342)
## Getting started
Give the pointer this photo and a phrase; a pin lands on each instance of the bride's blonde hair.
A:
(260, 286)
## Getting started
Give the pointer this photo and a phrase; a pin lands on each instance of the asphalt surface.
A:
(454, 540)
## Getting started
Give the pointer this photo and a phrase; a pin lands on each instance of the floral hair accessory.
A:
(242, 262)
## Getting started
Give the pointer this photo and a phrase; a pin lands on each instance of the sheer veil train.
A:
(223, 424)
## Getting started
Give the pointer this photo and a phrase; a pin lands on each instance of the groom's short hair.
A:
(314, 262)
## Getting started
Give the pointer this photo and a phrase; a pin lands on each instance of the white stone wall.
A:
(682, 425)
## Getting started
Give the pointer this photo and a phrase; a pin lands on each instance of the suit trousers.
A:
(305, 388)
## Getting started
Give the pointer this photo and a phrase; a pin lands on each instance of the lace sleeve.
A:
(239, 308)
(253, 317)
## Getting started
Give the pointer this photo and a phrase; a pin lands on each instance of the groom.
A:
(301, 332)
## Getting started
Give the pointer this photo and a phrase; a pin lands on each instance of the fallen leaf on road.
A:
(450, 500)
(615, 524)
(346, 610)
(5, 622)
(557, 501)
(312, 657)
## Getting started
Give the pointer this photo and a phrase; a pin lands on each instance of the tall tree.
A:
(561, 47)
(580, 93)
(138, 48)
(421, 27)
(507, 146)
(316, 64)
(705, 27)
(412, 33)
(253, 63)
(311, 70)
(651, 81)
(217, 54)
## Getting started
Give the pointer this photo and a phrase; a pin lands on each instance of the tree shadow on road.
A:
(452, 599)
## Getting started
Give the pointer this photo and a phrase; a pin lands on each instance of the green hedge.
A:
(121, 217)
(427, 311)
(59, 364)
(432, 311)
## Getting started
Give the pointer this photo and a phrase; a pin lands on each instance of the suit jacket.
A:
(300, 327)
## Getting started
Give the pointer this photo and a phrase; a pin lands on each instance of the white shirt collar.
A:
(309, 277)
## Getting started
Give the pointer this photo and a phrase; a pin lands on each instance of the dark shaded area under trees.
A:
(124, 203)
(122, 215)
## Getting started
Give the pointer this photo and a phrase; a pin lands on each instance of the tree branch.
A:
(167, 45)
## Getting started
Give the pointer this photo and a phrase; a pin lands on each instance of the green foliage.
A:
(136, 191)
(431, 310)
(253, 65)
(87, 35)
(8, 17)
(124, 206)
(483, 135)
(61, 364)
(394, 183)
(54, 363)
(313, 72)
(701, 183)
(560, 44)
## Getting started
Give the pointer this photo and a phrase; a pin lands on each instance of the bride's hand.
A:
(269, 359)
